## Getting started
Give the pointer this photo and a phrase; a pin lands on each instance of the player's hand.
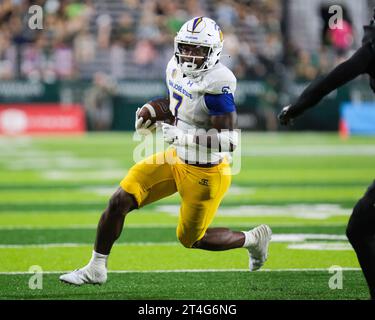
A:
(172, 134)
(142, 127)
(285, 117)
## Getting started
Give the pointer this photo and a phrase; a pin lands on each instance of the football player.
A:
(201, 98)
(361, 227)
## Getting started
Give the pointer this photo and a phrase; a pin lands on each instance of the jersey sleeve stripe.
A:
(219, 104)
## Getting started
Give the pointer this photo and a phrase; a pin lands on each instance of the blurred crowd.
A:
(336, 45)
(134, 38)
(108, 40)
(130, 38)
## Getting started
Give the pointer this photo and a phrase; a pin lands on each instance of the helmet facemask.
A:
(192, 58)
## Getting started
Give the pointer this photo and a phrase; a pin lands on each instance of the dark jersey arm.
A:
(358, 64)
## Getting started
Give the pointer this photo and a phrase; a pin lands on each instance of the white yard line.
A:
(322, 246)
(319, 211)
(276, 238)
(296, 150)
(151, 225)
(74, 245)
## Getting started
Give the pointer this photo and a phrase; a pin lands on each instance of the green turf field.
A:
(53, 190)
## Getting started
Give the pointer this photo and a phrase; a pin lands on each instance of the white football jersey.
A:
(187, 103)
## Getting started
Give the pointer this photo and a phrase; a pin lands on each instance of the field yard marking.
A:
(336, 246)
(153, 225)
(100, 190)
(301, 237)
(299, 150)
(319, 211)
(30, 227)
(239, 190)
(65, 175)
(276, 238)
(190, 271)
(37, 159)
(72, 245)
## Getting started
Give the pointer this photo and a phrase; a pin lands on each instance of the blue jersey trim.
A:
(219, 104)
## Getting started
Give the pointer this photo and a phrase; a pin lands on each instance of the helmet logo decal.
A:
(221, 36)
(196, 22)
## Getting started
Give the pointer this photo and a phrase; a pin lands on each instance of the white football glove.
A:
(174, 135)
(143, 128)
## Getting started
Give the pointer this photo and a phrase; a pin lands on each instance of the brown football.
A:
(156, 110)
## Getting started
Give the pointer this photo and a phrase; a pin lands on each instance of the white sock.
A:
(98, 260)
(249, 239)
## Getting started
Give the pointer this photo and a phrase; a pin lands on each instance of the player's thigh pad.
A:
(202, 190)
(150, 180)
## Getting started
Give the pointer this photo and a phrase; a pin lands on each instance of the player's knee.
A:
(121, 203)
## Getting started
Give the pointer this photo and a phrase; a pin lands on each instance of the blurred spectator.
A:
(126, 31)
(117, 58)
(63, 61)
(306, 67)
(268, 103)
(194, 8)
(232, 47)
(336, 46)
(98, 102)
(226, 14)
(104, 25)
(341, 38)
(144, 53)
(84, 46)
(174, 16)
(7, 56)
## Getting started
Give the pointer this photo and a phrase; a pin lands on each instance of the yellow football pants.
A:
(201, 190)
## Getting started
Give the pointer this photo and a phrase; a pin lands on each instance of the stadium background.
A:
(98, 61)
(111, 55)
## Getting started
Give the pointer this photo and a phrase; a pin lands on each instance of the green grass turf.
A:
(149, 218)
(154, 256)
(53, 190)
(258, 195)
(129, 235)
(203, 286)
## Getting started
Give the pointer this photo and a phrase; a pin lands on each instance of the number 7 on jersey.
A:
(179, 99)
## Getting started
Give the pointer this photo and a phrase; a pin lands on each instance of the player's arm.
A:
(343, 73)
(222, 137)
(223, 117)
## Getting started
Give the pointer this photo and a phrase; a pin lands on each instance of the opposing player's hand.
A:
(285, 117)
(172, 134)
(142, 127)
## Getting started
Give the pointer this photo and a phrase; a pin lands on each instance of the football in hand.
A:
(156, 110)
